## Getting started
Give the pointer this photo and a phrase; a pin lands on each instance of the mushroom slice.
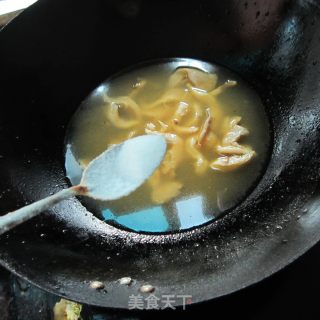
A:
(235, 149)
(230, 163)
(234, 131)
(196, 77)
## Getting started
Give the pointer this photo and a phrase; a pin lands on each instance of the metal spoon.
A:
(115, 173)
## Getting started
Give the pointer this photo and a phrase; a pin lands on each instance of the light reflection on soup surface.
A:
(217, 134)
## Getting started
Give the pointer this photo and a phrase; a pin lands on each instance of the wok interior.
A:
(47, 68)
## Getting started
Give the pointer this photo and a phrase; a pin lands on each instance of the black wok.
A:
(55, 53)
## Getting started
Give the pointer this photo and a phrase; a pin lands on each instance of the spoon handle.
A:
(14, 218)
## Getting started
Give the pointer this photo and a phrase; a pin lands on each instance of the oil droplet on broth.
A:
(202, 198)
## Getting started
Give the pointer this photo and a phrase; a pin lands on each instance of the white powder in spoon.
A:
(124, 167)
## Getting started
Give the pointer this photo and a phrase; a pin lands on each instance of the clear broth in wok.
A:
(217, 133)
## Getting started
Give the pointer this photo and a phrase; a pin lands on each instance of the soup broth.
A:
(217, 134)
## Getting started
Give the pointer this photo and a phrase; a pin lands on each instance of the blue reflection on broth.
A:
(191, 212)
(148, 220)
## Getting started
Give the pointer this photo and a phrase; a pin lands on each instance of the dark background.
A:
(292, 293)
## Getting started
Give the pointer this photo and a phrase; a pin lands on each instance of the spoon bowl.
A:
(123, 168)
